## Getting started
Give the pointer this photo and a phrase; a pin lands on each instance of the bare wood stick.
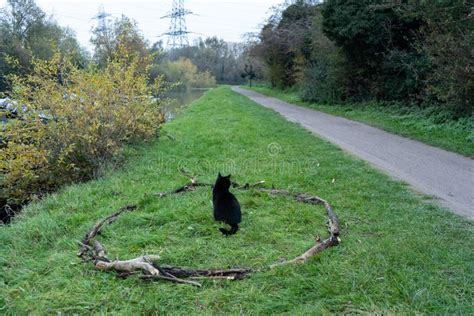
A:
(319, 247)
(163, 272)
(171, 279)
(98, 226)
(333, 239)
(99, 251)
(140, 263)
(195, 184)
(217, 277)
(109, 219)
(247, 185)
(176, 279)
(144, 264)
(194, 181)
(185, 188)
(87, 247)
(182, 272)
(333, 220)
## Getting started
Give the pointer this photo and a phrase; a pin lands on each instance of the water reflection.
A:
(180, 100)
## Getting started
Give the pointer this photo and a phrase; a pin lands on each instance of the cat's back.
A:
(226, 208)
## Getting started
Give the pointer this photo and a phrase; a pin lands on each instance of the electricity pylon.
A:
(101, 17)
(178, 32)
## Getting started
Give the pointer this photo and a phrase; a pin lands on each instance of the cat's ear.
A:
(228, 177)
(219, 175)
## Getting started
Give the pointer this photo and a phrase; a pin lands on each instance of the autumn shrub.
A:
(74, 121)
(184, 73)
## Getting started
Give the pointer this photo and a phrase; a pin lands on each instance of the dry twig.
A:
(92, 250)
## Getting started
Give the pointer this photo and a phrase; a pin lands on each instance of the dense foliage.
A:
(122, 32)
(186, 75)
(220, 59)
(68, 129)
(415, 52)
(65, 120)
(26, 33)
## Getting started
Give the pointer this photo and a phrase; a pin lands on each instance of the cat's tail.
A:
(233, 229)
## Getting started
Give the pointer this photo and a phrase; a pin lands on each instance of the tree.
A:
(184, 73)
(67, 131)
(284, 43)
(416, 52)
(324, 76)
(124, 32)
(214, 55)
(249, 73)
(26, 33)
(449, 46)
(376, 38)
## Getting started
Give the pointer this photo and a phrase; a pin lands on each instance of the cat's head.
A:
(223, 181)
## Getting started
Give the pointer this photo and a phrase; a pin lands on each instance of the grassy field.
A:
(399, 253)
(456, 136)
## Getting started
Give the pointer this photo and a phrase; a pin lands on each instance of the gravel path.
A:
(433, 171)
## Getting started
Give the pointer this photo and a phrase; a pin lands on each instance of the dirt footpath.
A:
(433, 171)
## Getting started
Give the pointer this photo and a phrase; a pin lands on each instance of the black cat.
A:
(226, 206)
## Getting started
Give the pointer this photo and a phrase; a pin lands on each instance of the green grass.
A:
(399, 254)
(422, 125)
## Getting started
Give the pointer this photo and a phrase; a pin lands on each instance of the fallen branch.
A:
(247, 186)
(185, 188)
(235, 274)
(333, 225)
(92, 250)
(171, 279)
(98, 226)
(128, 266)
(194, 184)
(320, 246)
(315, 200)
(148, 269)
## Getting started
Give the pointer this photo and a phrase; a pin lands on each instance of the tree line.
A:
(409, 52)
(28, 33)
(66, 115)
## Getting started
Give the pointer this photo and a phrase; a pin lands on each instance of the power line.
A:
(101, 17)
(178, 32)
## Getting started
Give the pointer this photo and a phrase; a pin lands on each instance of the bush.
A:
(452, 80)
(186, 74)
(324, 80)
(418, 53)
(73, 122)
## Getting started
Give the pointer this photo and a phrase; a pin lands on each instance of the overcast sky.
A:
(227, 19)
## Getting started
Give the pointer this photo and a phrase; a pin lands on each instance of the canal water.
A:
(179, 101)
